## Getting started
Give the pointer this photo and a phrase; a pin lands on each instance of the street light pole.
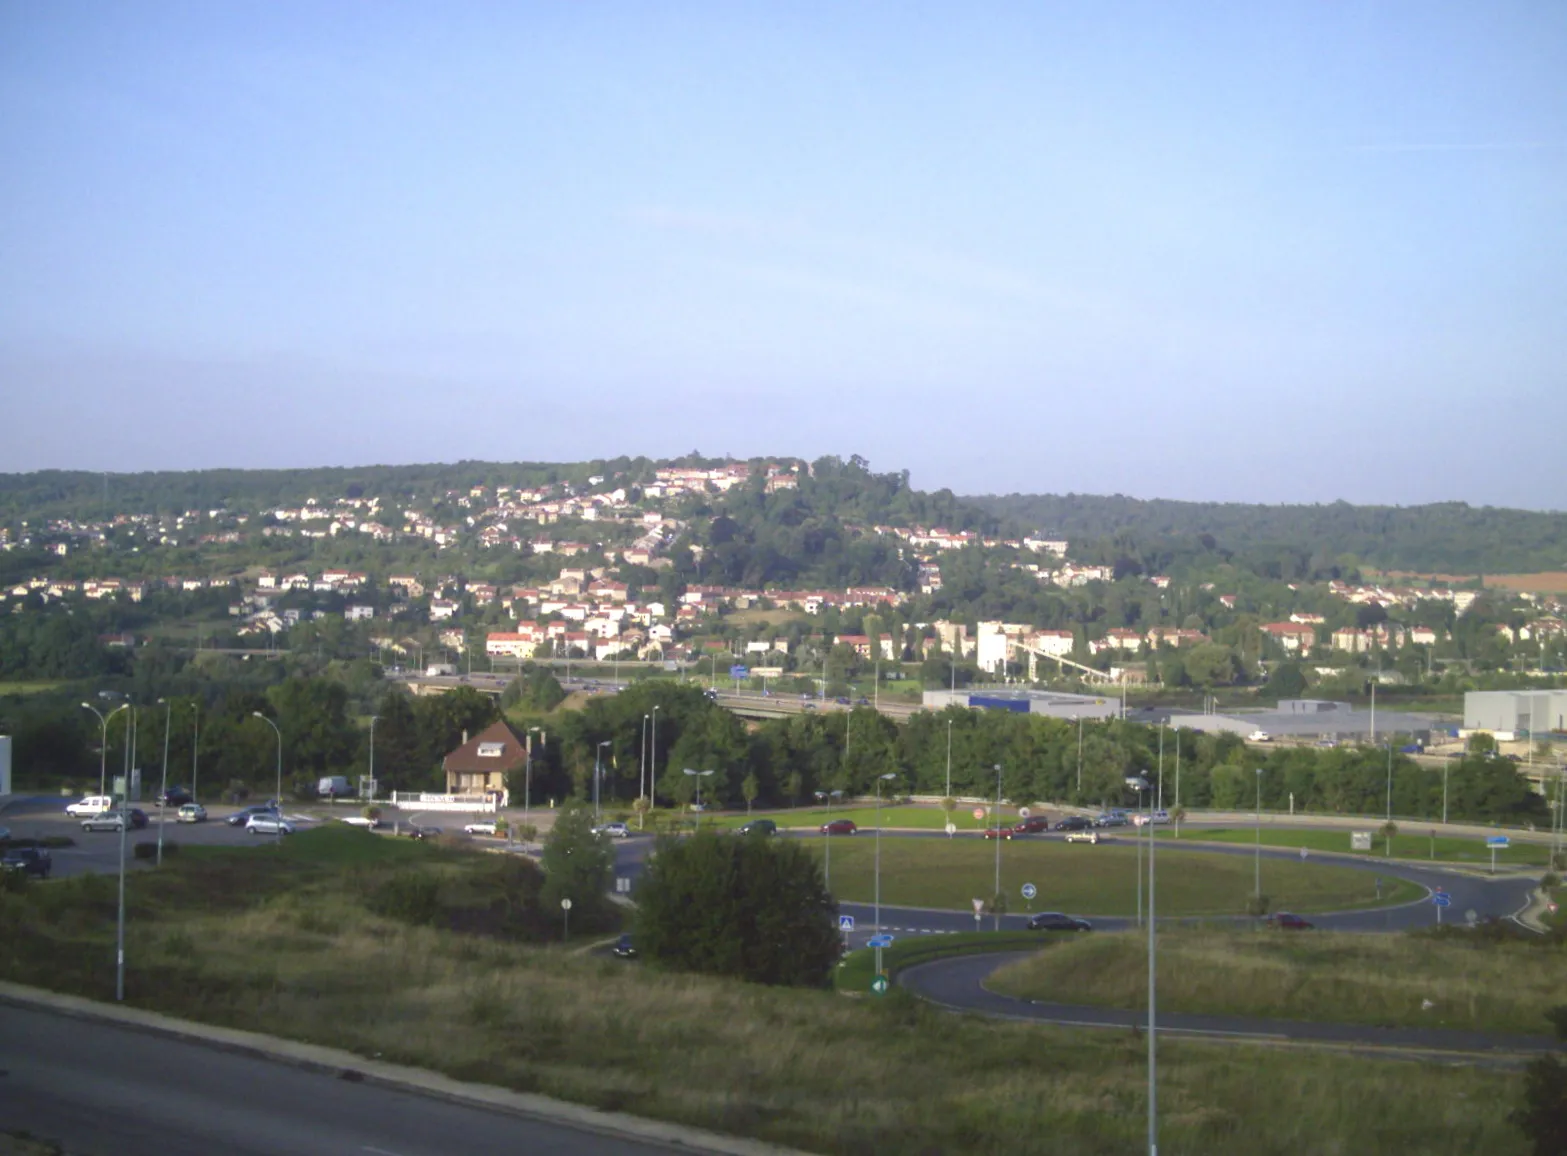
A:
(163, 796)
(652, 760)
(698, 776)
(1140, 784)
(125, 822)
(103, 744)
(948, 795)
(371, 783)
(828, 797)
(527, 774)
(598, 771)
(879, 780)
(1079, 758)
(995, 904)
(195, 748)
(279, 734)
(1389, 780)
(1257, 857)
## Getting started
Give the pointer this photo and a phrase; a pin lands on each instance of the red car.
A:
(998, 832)
(1285, 921)
(1033, 825)
(839, 827)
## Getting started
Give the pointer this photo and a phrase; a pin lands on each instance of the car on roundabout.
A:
(1033, 825)
(998, 832)
(89, 806)
(1089, 836)
(1057, 921)
(417, 831)
(34, 861)
(624, 948)
(115, 820)
(269, 823)
(757, 827)
(241, 817)
(1074, 823)
(612, 831)
(482, 827)
(839, 827)
(1112, 819)
(1288, 921)
(191, 813)
(175, 797)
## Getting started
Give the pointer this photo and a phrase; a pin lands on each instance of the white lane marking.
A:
(377, 1151)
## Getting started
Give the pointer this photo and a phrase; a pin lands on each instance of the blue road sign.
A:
(879, 941)
(1496, 841)
(738, 672)
(1442, 899)
(845, 923)
(1029, 891)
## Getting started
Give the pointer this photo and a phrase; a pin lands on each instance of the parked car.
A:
(175, 797)
(998, 832)
(624, 948)
(91, 805)
(1033, 825)
(757, 827)
(839, 827)
(192, 813)
(613, 831)
(415, 831)
(32, 861)
(1259, 737)
(269, 823)
(1158, 818)
(241, 817)
(1089, 836)
(482, 827)
(1074, 823)
(1288, 921)
(1055, 921)
(1111, 819)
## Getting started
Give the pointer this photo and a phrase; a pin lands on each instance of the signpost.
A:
(1360, 840)
(845, 923)
(879, 984)
(979, 906)
(1496, 843)
(952, 829)
(565, 906)
(738, 672)
(979, 812)
(1440, 899)
(1023, 812)
(1303, 854)
(1029, 891)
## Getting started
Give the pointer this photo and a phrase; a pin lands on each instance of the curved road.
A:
(958, 984)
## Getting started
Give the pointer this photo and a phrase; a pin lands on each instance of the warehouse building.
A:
(1050, 703)
(1506, 713)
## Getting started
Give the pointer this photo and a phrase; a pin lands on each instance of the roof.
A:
(496, 748)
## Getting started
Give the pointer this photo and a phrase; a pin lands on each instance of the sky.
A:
(1280, 252)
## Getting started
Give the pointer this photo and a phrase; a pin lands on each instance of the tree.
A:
(1543, 1116)
(1287, 680)
(749, 789)
(753, 909)
(578, 865)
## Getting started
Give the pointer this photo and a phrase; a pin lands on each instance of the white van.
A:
(334, 787)
(90, 806)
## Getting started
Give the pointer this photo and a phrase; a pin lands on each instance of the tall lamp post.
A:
(880, 779)
(195, 748)
(370, 784)
(1140, 784)
(125, 822)
(1257, 856)
(527, 774)
(598, 773)
(163, 792)
(995, 908)
(279, 734)
(698, 776)
(828, 797)
(948, 795)
(103, 745)
(652, 758)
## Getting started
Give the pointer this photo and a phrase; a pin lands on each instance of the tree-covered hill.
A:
(1447, 537)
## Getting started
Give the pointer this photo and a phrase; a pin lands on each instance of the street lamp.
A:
(698, 776)
(527, 775)
(125, 822)
(880, 779)
(279, 734)
(1389, 780)
(163, 796)
(948, 795)
(828, 797)
(1258, 855)
(995, 908)
(598, 771)
(103, 745)
(1140, 784)
(371, 783)
(652, 759)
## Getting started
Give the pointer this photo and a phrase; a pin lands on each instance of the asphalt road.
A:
(103, 1090)
(958, 984)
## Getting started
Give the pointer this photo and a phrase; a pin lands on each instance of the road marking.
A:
(378, 1151)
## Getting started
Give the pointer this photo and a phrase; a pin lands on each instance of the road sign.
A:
(1022, 812)
(1496, 841)
(622, 884)
(979, 812)
(1029, 891)
(1470, 916)
(879, 985)
(979, 905)
(1303, 854)
(1442, 899)
(845, 923)
(738, 671)
(565, 905)
(1360, 840)
(952, 828)
(879, 941)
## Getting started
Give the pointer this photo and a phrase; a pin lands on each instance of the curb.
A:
(347, 1065)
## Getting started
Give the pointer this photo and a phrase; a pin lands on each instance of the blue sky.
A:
(1253, 252)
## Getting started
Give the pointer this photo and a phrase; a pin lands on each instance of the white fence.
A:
(423, 801)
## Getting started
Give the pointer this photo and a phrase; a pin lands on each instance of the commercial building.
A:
(1050, 703)
(1505, 713)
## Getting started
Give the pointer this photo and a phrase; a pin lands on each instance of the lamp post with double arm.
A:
(880, 779)
(103, 746)
(279, 734)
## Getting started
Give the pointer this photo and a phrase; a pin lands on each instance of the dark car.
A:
(28, 860)
(758, 827)
(138, 818)
(839, 827)
(624, 948)
(842, 700)
(1287, 921)
(175, 797)
(415, 831)
(1055, 921)
(862, 701)
(1074, 823)
(1033, 825)
(240, 818)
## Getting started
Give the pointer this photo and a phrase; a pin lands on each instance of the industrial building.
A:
(1512, 713)
(1050, 703)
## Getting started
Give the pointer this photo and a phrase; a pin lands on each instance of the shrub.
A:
(149, 849)
(1258, 905)
(408, 897)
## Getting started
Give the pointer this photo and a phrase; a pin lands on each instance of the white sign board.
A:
(979, 905)
(1360, 840)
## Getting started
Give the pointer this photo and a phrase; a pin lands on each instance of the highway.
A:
(101, 1089)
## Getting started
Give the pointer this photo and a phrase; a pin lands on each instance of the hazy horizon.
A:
(1283, 254)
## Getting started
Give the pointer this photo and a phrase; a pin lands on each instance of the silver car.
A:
(269, 824)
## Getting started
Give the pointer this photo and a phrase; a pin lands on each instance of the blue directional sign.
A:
(1029, 891)
(845, 923)
(1442, 899)
(879, 941)
(1497, 841)
(738, 671)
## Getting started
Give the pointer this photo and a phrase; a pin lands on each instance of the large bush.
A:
(751, 908)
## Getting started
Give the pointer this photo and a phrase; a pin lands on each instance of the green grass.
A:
(858, 968)
(1471, 981)
(904, 816)
(1412, 842)
(292, 949)
(25, 687)
(1091, 880)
